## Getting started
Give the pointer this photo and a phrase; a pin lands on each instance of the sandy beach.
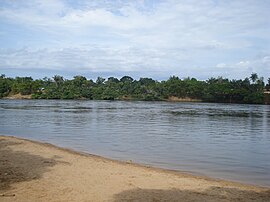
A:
(33, 171)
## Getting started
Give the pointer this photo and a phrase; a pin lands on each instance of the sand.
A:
(33, 171)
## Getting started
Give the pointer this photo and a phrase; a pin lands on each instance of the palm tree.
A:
(58, 79)
(254, 77)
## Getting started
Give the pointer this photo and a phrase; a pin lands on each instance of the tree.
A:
(254, 77)
(173, 87)
(23, 85)
(58, 80)
(100, 80)
(268, 84)
(126, 79)
(79, 80)
(112, 80)
(146, 81)
(5, 86)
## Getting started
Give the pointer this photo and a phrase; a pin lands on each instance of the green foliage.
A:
(254, 77)
(100, 80)
(126, 79)
(268, 84)
(5, 86)
(24, 85)
(248, 90)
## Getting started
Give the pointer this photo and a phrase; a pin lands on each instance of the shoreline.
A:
(130, 180)
(139, 165)
(169, 100)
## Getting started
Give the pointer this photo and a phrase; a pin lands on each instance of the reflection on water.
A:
(218, 140)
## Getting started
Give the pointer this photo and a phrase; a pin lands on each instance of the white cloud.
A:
(260, 64)
(90, 59)
(243, 63)
(221, 65)
(185, 36)
(266, 60)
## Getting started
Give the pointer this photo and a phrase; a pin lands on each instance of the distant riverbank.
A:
(33, 171)
(170, 99)
(215, 90)
(19, 96)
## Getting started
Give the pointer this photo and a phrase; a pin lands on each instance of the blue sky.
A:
(144, 38)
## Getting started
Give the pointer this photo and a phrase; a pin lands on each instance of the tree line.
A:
(247, 90)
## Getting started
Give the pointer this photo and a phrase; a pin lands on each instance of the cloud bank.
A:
(141, 38)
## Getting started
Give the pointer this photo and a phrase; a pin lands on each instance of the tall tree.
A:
(254, 77)
(58, 79)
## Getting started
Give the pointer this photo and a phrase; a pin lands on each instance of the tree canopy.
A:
(247, 90)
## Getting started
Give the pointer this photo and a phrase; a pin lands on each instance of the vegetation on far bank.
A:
(247, 90)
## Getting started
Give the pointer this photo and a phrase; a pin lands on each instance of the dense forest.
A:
(248, 90)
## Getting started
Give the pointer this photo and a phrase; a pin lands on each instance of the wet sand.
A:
(33, 171)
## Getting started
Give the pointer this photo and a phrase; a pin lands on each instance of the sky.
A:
(143, 38)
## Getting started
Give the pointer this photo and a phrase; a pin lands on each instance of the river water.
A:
(227, 141)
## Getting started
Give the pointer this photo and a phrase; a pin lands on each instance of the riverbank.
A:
(33, 171)
(170, 99)
(18, 96)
